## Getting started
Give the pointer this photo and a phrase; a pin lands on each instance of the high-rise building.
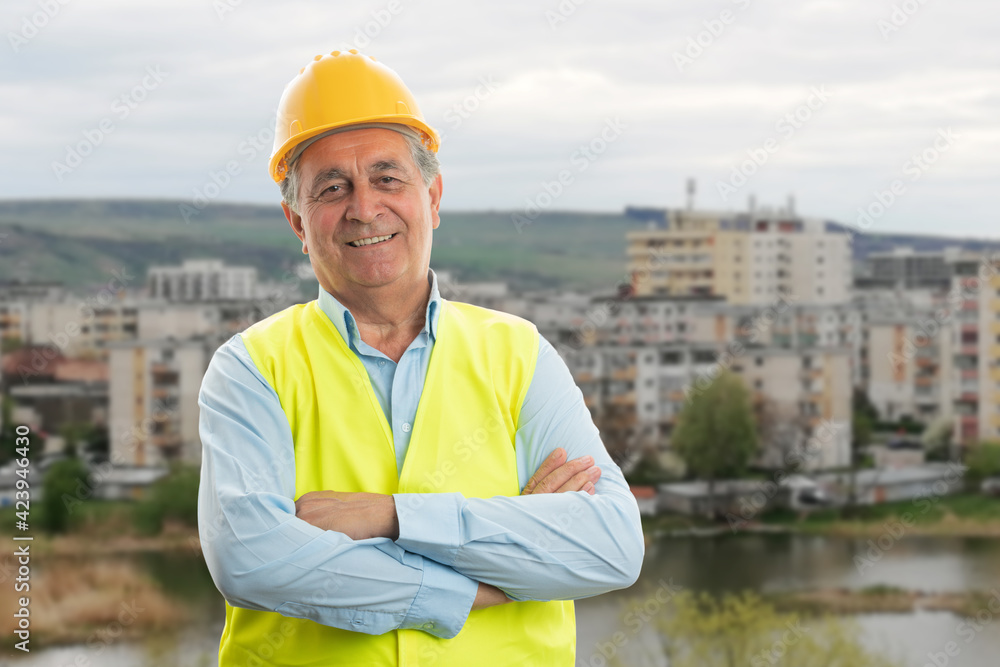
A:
(746, 258)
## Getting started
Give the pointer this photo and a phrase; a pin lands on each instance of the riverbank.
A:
(881, 600)
(94, 600)
(965, 515)
(968, 515)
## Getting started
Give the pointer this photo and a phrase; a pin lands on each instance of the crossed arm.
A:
(348, 564)
(363, 516)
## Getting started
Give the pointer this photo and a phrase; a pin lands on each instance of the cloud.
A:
(556, 84)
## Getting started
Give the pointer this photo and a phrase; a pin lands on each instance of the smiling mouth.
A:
(372, 240)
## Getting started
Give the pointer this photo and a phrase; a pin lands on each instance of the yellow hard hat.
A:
(340, 89)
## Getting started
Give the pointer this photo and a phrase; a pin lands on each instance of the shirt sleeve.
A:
(554, 546)
(261, 556)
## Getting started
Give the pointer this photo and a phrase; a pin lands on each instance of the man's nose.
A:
(364, 205)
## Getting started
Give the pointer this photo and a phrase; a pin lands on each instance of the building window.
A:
(670, 358)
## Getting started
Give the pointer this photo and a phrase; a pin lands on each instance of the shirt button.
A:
(381, 362)
(428, 626)
(406, 427)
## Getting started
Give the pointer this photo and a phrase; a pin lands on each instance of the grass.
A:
(959, 514)
(103, 527)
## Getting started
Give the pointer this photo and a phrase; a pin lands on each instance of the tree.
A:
(982, 461)
(937, 438)
(861, 435)
(715, 434)
(174, 497)
(60, 490)
(862, 405)
(700, 630)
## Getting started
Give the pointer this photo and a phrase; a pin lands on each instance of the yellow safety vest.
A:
(462, 441)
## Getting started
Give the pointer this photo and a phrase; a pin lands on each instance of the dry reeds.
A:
(75, 600)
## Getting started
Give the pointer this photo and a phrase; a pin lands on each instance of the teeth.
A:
(369, 241)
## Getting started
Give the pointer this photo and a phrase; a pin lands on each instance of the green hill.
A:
(82, 241)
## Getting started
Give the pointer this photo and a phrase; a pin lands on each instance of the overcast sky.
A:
(833, 99)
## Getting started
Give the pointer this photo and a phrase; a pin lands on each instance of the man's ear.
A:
(435, 191)
(295, 220)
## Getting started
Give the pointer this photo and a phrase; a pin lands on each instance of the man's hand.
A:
(357, 515)
(489, 596)
(556, 475)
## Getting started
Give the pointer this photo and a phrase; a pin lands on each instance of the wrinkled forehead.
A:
(364, 148)
(351, 129)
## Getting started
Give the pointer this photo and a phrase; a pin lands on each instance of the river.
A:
(762, 563)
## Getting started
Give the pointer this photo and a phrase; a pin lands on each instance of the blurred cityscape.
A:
(871, 380)
(767, 294)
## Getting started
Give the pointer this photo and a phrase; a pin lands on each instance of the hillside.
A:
(80, 242)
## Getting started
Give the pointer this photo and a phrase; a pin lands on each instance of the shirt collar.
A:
(344, 321)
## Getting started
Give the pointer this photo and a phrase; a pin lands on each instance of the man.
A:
(389, 477)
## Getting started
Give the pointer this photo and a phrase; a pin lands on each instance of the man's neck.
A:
(388, 318)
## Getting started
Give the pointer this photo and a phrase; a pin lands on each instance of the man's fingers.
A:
(563, 474)
(552, 462)
(582, 481)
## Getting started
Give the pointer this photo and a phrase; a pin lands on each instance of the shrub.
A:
(59, 492)
(174, 497)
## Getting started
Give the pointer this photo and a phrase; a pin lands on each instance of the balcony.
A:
(627, 398)
(166, 440)
(623, 373)
(810, 373)
(672, 395)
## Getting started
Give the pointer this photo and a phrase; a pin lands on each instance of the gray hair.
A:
(425, 159)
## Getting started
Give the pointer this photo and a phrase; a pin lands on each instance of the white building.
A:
(202, 280)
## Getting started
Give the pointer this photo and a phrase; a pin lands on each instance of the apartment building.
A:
(201, 280)
(746, 258)
(636, 365)
(909, 269)
(928, 353)
(153, 399)
(910, 374)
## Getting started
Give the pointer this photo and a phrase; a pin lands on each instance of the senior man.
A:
(390, 477)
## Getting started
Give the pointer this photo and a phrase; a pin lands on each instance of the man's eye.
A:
(332, 188)
(386, 179)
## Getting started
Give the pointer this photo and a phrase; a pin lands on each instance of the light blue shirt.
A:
(556, 546)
